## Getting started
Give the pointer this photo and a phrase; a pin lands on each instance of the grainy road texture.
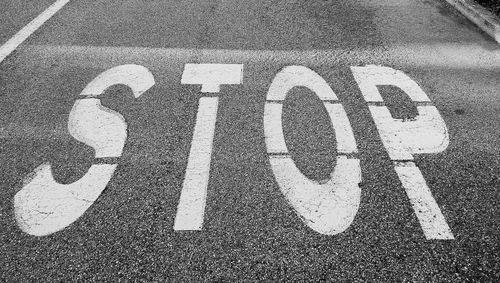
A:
(250, 230)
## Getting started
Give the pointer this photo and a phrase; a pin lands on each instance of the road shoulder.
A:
(479, 15)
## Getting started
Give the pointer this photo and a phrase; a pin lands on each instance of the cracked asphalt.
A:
(250, 232)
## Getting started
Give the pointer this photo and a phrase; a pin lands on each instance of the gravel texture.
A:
(492, 5)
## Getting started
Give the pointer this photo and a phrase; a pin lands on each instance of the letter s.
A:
(43, 206)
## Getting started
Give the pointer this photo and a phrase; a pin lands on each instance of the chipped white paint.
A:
(26, 31)
(275, 139)
(427, 210)
(426, 133)
(293, 76)
(273, 128)
(192, 202)
(369, 77)
(44, 206)
(212, 76)
(346, 144)
(191, 208)
(137, 77)
(88, 113)
(103, 129)
(328, 207)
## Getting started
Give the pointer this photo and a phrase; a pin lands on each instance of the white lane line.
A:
(30, 28)
(191, 208)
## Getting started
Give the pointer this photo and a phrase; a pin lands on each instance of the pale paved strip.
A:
(25, 32)
(439, 55)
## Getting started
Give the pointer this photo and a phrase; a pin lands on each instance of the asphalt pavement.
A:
(255, 222)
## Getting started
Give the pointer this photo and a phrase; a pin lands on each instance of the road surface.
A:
(231, 140)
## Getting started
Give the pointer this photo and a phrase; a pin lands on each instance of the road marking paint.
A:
(427, 210)
(211, 76)
(346, 144)
(191, 208)
(103, 129)
(293, 76)
(26, 31)
(192, 202)
(426, 133)
(43, 206)
(138, 78)
(327, 207)
(273, 129)
(369, 77)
